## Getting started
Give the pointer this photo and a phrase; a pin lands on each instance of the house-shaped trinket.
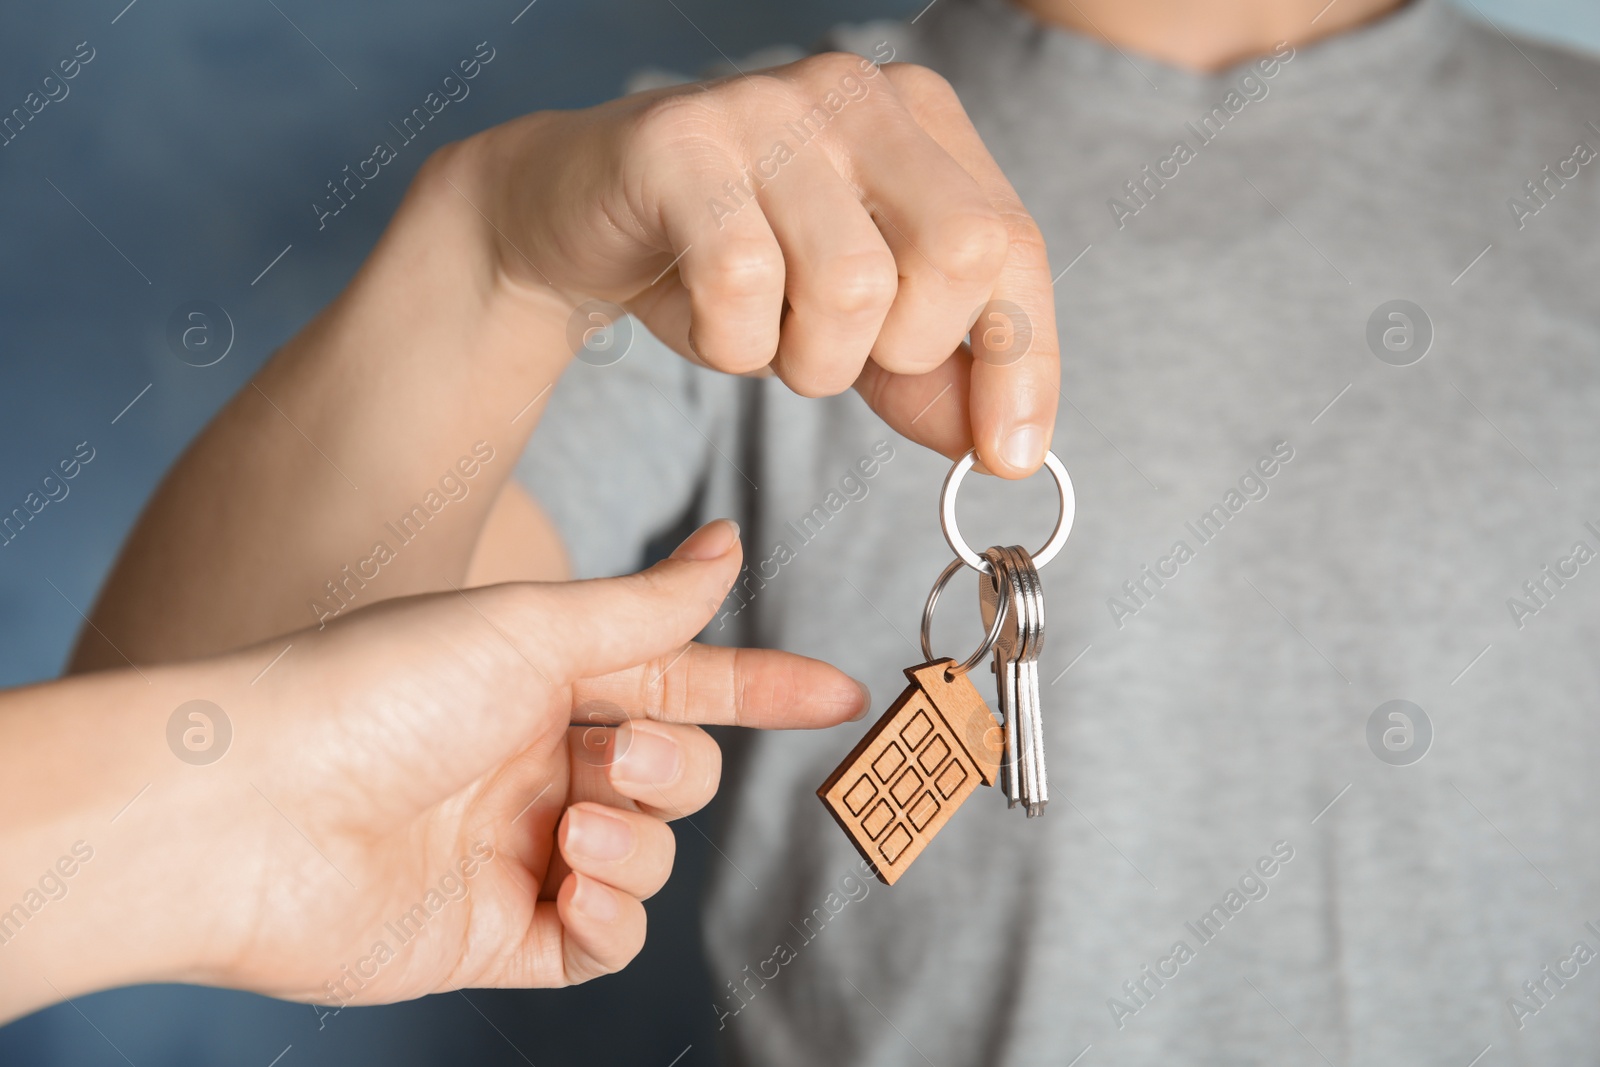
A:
(917, 764)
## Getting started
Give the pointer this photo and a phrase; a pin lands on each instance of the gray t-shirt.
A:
(1296, 502)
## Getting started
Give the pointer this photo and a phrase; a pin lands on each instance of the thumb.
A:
(604, 625)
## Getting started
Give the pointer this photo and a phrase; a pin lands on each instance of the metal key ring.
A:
(952, 534)
(989, 639)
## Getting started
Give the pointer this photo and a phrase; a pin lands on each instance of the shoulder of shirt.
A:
(1488, 50)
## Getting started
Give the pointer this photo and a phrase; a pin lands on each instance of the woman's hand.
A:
(422, 797)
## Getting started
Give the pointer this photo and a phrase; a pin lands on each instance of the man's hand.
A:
(872, 230)
(837, 222)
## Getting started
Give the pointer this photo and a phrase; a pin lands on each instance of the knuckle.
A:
(448, 161)
(665, 854)
(653, 585)
(703, 763)
(814, 383)
(1023, 239)
(654, 688)
(740, 359)
(900, 356)
(740, 270)
(665, 691)
(741, 669)
(671, 124)
(921, 84)
(762, 92)
(818, 87)
(969, 247)
(765, 682)
(711, 778)
(857, 285)
(669, 851)
(830, 67)
(524, 610)
(587, 967)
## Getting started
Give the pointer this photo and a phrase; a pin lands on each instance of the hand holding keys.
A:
(938, 740)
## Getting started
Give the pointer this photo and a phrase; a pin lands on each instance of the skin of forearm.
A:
(432, 348)
(100, 869)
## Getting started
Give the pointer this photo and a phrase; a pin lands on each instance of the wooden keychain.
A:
(939, 740)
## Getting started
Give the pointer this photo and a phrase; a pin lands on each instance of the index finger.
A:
(1016, 366)
(716, 686)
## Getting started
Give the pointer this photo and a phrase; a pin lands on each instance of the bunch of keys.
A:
(1016, 672)
(939, 740)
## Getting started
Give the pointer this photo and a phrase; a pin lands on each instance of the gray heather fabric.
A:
(1222, 712)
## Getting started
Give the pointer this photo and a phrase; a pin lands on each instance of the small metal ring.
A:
(952, 534)
(988, 640)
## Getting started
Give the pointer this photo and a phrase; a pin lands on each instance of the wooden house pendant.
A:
(917, 764)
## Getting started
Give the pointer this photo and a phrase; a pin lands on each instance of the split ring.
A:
(989, 639)
(952, 534)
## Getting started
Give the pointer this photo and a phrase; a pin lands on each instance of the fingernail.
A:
(597, 836)
(843, 703)
(645, 757)
(711, 541)
(866, 700)
(594, 900)
(1024, 449)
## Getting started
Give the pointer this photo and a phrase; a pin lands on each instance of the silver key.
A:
(1029, 699)
(1022, 707)
(1023, 702)
(1019, 701)
(1016, 671)
(1004, 667)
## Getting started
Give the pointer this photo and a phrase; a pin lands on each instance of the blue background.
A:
(195, 143)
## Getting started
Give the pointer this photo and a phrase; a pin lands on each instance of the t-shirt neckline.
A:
(1369, 61)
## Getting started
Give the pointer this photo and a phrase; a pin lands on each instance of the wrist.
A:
(106, 839)
(441, 321)
(473, 190)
